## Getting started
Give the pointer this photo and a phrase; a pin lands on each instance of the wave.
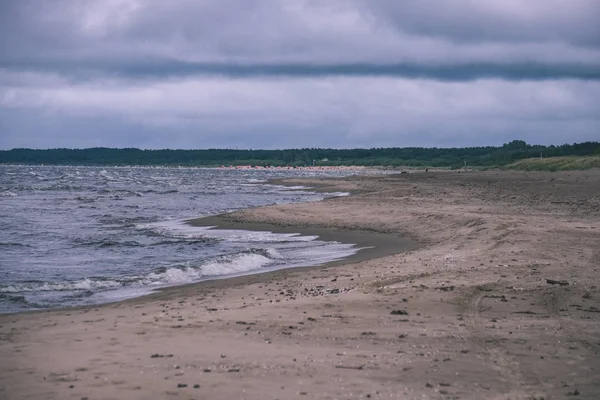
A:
(184, 241)
(106, 243)
(232, 266)
(103, 243)
(110, 219)
(121, 193)
(19, 300)
(9, 244)
(85, 284)
(250, 260)
(180, 229)
(170, 191)
(174, 236)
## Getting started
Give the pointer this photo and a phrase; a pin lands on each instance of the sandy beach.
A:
(477, 285)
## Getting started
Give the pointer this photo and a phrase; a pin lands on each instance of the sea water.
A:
(86, 235)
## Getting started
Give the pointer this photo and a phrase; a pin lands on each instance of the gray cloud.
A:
(269, 73)
(446, 40)
(573, 22)
(337, 112)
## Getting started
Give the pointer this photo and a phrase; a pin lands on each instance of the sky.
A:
(274, 74)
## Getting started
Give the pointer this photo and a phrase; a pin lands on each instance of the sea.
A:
(78, 235)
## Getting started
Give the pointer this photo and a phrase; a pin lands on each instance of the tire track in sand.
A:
(498, 357)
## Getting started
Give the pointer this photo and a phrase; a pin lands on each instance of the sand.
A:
(481, 285)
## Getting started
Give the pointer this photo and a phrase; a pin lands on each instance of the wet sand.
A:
(371, 244)
(481, 285)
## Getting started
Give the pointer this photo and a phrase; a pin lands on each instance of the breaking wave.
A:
(251, 260)
(19, 300)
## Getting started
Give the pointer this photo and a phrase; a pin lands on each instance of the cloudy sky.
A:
(298, 73)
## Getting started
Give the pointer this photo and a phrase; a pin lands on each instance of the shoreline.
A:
(499, 300)
(372, 245)
(369, 244)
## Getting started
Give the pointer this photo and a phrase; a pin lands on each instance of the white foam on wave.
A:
(225, 266)
(286, 188)
(316, 255)
(181, 229)
(172, 276)
(272, 253)
(239, 264)
(235, 235)
(84, 284)
(173, 228)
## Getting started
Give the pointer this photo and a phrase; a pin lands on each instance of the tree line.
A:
(488, 156)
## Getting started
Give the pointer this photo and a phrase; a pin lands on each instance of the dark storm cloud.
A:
(451, 40)
(152, 69)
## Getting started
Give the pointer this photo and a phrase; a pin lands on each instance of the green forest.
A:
(488, 156)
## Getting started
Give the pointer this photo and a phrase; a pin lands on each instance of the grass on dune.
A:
(556, 163)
